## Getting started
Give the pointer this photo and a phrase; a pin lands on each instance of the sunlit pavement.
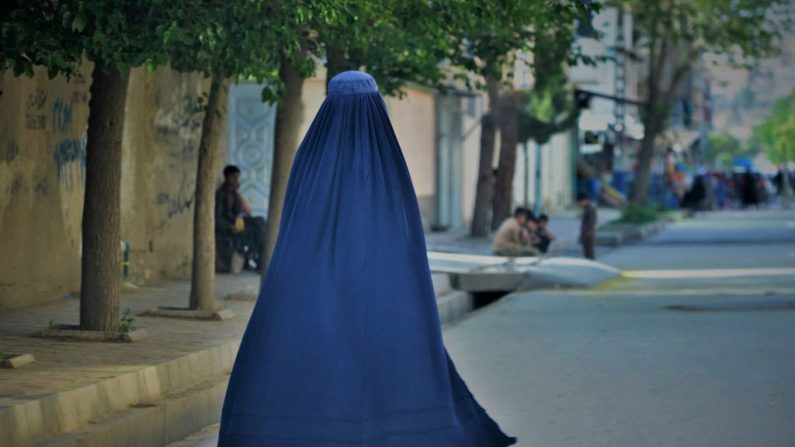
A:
(692, 347)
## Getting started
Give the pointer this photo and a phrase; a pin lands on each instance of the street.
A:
(699, 361)
(694, 347)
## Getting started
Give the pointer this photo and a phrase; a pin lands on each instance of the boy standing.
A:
(587, 225)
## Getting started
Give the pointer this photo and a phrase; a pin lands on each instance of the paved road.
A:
(657, 360)
(694, 348)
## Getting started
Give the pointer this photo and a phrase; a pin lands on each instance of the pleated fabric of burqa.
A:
(344, 346)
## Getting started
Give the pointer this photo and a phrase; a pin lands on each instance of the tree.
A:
(115, 35)
(223, 41)
(491, 35)
(776, 137)
(304, 21)
(396, 41)
(783, 154)
(674, 35)
(723, 148)
(548, 108)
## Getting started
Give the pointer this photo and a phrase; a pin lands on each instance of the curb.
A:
(31, 419)
(619, 234)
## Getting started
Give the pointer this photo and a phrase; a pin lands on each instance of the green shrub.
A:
(638, 214)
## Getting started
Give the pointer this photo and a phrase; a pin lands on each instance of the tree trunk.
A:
(640, 189)
(288, 122)
(100, 275)
(202, 285)
(537, 192)
(526, 191)
(786, 185)
(2, 79)
(507, 121)
(484, 193)
(336, 62)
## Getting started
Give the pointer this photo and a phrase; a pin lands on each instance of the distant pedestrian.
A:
(749, 192)
(545, 237)
(513, 238)
(587, 225)
(694, 198)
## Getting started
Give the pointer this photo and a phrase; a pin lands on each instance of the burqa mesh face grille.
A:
(344, 346)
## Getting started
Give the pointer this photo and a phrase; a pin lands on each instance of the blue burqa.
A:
(344, 347)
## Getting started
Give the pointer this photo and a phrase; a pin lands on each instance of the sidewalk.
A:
(64, 365)
(166, 386)
(75, 387)
(149, 392)
(565, 225)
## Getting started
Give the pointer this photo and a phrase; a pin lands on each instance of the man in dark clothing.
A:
(695, 197)
(545, 237)
(749, 192)
(236, 229)
(587, 225)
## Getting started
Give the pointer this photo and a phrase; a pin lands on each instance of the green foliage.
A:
(785, 142)
(126, 323)
(116, 33)
(776, 135)
(637, 214)
(676, 33)
(548, 108)
(723, 148)
(397, 41)
(486, 35)
(244, 39)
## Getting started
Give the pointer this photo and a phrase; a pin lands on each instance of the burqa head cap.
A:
(351, 83)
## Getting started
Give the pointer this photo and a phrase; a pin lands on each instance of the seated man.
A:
(512, 237)
(235, 227)
(545, 237)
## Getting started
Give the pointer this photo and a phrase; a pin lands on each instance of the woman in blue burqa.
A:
(344, 346)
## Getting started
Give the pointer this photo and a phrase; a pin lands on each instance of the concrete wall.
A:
(161, 139)
(414, 120)
(470, 156)
(42, 168)
(556, 179)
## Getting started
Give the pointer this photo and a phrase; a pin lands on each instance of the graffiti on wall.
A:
(34, 110)
(179, 123)
(69, 156)
(10, 153)
(16, 185)
(177, 128)
(61, 116)
(178, 201)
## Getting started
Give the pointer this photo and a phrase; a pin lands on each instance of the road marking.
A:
(707, 273)
(749, 292)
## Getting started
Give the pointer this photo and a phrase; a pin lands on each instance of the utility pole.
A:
(619, 90)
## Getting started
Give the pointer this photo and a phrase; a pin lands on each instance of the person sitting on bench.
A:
(236, 229)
